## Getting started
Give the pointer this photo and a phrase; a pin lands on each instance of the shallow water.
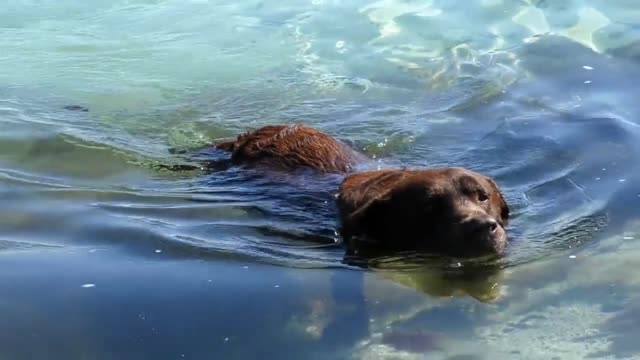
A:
(104, 253)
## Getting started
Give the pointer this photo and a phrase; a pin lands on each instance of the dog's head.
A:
(451, 211)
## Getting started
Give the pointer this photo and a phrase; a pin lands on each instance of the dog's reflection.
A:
(391, 291)
(443, 277)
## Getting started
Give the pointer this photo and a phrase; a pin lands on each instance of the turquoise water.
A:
(104, 253)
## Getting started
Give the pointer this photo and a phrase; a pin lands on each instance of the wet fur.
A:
(291, 147)
(428, 210)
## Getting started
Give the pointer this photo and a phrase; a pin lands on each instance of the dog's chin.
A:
(487, 245)
(497, 242)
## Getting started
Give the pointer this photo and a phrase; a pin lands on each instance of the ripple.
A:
(10, 245)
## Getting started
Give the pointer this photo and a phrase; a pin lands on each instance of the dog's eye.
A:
(483, 196)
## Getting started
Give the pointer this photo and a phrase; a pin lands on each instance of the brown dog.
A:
(449, 211)
(291, 147)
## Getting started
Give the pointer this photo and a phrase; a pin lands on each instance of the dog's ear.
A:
(226, 145)
(360, 219)
(397, 203)
(504, 207)
(364, 199)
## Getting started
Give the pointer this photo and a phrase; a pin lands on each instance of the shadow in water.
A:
(394, 286)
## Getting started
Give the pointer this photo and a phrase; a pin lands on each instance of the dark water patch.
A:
(630, 51)
(76, 108)
(165, 305)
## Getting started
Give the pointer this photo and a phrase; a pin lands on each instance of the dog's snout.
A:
(482, 225)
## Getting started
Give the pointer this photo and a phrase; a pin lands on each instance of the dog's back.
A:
(292, 147)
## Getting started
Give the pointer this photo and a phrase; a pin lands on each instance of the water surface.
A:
(104, 253)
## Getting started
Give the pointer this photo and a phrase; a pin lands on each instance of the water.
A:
(106, 254)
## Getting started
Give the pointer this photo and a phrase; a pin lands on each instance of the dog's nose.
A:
(483, 225)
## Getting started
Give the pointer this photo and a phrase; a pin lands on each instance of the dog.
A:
(447, 211)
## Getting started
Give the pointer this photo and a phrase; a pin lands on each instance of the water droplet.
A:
(158, 251)
(587, 81)
(622, 180)
(88, 286)
(339, 44)
(587, 67)
(572, 256)
(245, 267)
(276, 286)
(628, 238)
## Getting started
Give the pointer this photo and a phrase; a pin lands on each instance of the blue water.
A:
(105, 254)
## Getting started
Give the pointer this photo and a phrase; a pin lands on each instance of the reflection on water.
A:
(232, 263)
(436, 278)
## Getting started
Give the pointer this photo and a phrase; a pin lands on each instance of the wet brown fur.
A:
(292, 147)
(435, 210)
